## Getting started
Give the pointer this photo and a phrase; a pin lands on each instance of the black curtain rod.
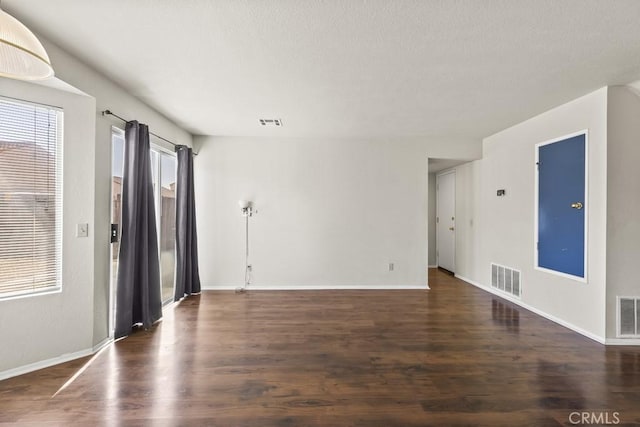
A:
(111, 113)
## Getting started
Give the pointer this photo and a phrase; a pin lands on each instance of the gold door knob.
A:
(577, 205)
(451, 228)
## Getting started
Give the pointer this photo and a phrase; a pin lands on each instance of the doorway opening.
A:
(446, 220)
(441, 213)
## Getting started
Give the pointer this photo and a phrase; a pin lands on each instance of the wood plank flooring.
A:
(453, 355)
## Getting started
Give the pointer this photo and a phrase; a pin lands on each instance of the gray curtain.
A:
(138, 299)
(187, 275)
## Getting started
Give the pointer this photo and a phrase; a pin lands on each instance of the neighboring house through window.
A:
(30, 198)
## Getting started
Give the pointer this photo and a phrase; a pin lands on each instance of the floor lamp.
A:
(246, 207)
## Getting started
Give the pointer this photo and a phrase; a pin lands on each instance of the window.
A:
(164, 177)
(117, 172)
(30, 198)
(163, 167)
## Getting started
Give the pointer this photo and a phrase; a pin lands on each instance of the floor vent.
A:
(629, 317)
(506, 280)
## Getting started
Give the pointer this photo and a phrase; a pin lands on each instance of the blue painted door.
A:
(561, 206)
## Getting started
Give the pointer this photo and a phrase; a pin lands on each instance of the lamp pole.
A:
(247, 211)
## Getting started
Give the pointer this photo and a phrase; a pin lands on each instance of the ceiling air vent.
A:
(271, 122)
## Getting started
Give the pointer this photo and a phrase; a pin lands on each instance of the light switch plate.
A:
(82, 230)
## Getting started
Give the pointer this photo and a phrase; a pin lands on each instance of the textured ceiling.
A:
(350, 68)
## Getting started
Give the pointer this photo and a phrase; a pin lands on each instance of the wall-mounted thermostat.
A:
(501, 192)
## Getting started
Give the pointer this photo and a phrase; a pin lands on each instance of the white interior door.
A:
(445, 220)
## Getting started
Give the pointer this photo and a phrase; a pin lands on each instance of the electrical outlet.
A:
(82, 230)
(391, 266)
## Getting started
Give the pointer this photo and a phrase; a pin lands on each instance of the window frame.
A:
(157, 194)
(59, 220)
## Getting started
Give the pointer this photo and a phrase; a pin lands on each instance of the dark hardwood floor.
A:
(453, 355)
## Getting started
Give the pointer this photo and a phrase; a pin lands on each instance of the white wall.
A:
(623, 199)
(431, 218)
(505, 225)
(110, 96)
(43, 327)
(332, 213)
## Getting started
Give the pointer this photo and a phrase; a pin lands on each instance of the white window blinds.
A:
(30, 198)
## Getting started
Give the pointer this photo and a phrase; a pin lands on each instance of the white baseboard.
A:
(432, 266)
(44, 364)
(219, 287)
(314, 287)
(102, 344)
(21, 370)
(623, 341)
(539, 312)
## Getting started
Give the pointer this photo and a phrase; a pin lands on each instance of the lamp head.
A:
(246, 207)
(22, 56)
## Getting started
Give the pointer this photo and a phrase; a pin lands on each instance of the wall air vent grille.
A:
(271, 122)
(506, 279)
(629, 317)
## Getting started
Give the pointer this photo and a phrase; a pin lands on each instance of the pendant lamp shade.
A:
(21, 53)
